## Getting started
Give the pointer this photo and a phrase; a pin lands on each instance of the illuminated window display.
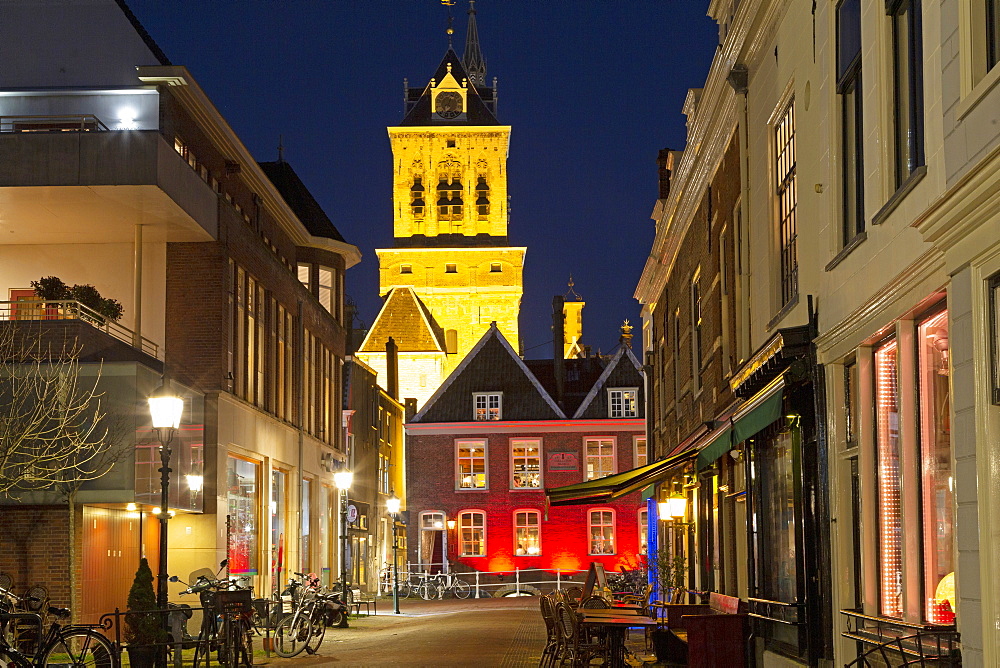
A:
(243, 496)
(473, 536)
(936, 484)
(890, 541)
(602, 532)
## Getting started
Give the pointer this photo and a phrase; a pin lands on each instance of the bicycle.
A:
(76, 645)
(436, 586)
(385, 582)
(227, 625)
(305, 627)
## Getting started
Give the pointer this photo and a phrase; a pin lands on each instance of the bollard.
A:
(477, 584)
(558, 580)
(517, 581)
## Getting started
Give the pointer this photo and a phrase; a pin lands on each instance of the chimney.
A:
(392, 369)
(410, 404)
(558, 351)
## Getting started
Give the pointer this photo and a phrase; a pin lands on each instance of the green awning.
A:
(614, 486)
(744, 426)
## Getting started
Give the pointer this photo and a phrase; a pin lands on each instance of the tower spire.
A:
(472, 57)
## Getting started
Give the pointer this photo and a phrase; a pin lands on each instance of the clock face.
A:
(448, 104)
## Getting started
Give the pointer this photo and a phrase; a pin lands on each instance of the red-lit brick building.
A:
(499, 431)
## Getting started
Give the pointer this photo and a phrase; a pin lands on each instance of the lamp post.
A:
(165, 409)
(343, 479)
(392, 505)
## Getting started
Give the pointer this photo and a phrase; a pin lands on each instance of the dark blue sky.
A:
(592, 90)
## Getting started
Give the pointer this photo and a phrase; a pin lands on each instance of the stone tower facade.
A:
(450, 208)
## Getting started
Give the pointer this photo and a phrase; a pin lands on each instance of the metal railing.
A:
(73, 310)
(892, 642)
(485, 584)
(67, 123)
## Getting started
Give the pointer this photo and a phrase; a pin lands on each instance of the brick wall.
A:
(36, 549)
(431, 478)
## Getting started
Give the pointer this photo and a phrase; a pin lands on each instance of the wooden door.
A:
(111, 549)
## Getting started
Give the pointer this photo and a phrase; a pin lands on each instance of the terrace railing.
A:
(70, 123)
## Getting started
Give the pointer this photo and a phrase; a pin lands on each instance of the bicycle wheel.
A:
(317, 633)
(428, 590)
(461, 588)
(291, 634)
(404, 590)
(79, 648)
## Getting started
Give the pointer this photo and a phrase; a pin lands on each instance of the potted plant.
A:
(53, 289)
(143, 629)
(671, 573)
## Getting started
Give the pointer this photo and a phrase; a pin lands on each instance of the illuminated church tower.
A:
(450, 216)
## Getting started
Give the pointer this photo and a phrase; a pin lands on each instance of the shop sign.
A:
(563, 460)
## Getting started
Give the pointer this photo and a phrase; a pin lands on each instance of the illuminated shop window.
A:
(890, 544)
(526, 469)
(527, 536)
(600, 457)
(489, 405)
(243, 497)
(472, 533)
(471, 464)
(602, 532)
(936, 484)
(623, 402)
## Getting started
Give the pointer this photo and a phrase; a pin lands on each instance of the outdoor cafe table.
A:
(616, 626)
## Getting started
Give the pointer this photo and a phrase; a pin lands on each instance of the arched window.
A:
(417, 202)
(472, 533)
(482, 198)
(449, 200)
(527, 533)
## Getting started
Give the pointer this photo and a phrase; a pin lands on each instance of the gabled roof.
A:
(477, 112)
(624, 370)
(491, 366)
(300, 199)
(406, 319)
(580, 375)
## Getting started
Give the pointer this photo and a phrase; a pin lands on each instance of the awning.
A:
(752, 417)
(614, 486)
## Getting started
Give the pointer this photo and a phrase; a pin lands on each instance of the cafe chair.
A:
(552, 636)
(576, 650)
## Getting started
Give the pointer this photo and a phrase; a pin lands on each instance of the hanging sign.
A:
(352, 514)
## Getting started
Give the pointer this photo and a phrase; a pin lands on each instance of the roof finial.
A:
(572, 291)
(281, 149)
(626, 336)
(472, 57)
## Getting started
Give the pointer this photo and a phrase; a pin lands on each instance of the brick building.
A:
(117, 171)
(502, 430)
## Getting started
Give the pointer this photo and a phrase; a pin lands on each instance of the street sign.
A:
(352, 513)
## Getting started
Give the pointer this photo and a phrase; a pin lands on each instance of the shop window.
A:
(600, 457)
(908, 93)
(526, 469)
(472, 533)
(527, 533)
(243, 500)
(471, 464)
(602, 531)
(887, 445)
(305, 533)
(623, 402)
(489, 405)
(852, 135)
(279, 502)
(787, 203)
(936, 484)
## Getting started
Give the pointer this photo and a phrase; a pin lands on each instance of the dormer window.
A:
(623, 402)
(489, 406)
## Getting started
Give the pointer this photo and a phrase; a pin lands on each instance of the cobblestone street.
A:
(474, 632)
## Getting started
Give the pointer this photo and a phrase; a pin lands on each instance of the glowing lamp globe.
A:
(392, 505)
(343, 479)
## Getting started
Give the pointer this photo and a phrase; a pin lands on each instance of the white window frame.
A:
(525, 442)
(537, 526)
(635, 451)
(623, 392)
(487, 401)
(590, 531)
(483, 444)
(613, 456)
(642, 516)
(461, 528)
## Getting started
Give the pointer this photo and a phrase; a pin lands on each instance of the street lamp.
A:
(343, 479)
(392, 505)
(165, 409)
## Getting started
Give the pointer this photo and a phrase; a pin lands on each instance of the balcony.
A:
(70, 322)
(71, 179)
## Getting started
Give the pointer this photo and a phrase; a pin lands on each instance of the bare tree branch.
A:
(54, 430)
